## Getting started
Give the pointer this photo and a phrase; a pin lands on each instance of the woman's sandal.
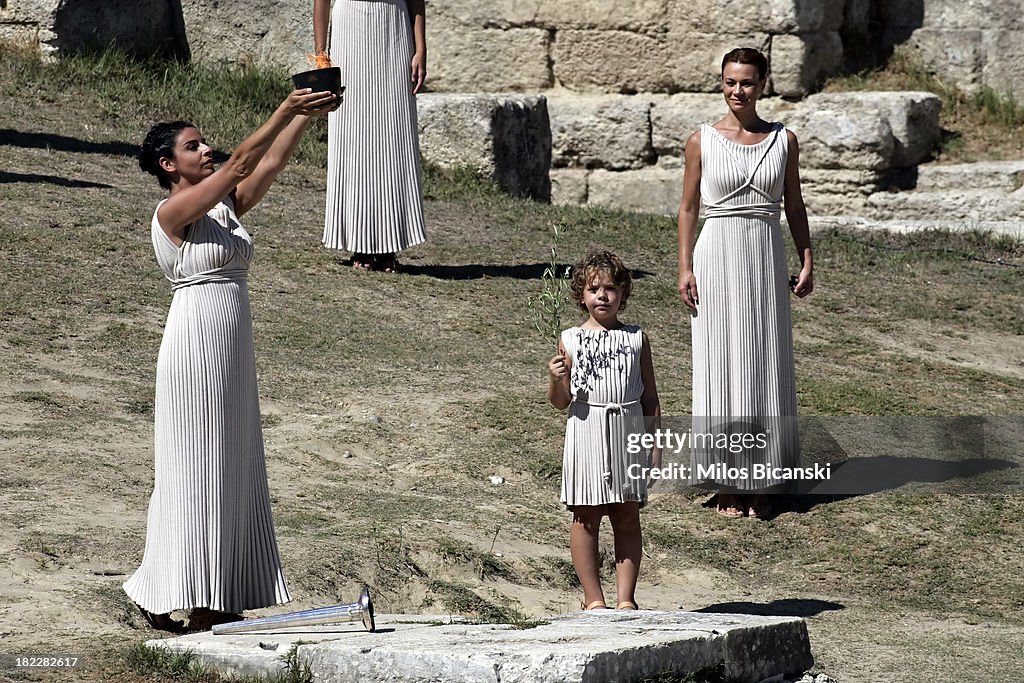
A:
(731, 510)
(626, 604)
(385, 263)
(204, 619)
(362, 261)
(596, 604)
(162, 622)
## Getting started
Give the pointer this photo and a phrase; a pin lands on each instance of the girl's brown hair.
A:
(600, 261)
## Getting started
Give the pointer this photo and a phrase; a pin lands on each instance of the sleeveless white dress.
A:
(210, 536)
(374, 180)
(606, 386)
(743, 374)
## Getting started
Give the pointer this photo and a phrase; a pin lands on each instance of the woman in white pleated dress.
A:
(744, 169)
(374, 181)
(210, 543)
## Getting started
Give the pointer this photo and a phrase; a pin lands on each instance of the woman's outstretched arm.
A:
(183, 207)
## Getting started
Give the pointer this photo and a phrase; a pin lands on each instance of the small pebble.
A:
(496, 480)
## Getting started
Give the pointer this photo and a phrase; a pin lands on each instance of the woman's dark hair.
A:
(159, 143)
(600, 261)
(747, 55)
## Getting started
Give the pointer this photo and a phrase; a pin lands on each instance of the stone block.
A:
(831, 192)
(552, 14)
(842, 131)
(676, 117)
(800, 63)
(1003, 70)
(914, 121)
(506, 137)
(651, 190)
(265, 32)
(143, 27)
(569, 185)
(602, 131)
(955, 55)
(631, 62)
(805, 16)
(1005, 176)
(576, 648)
(614, 61)
(469, 59)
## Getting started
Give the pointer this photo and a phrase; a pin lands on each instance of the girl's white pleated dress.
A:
(210, 536)
(743, 373)
(606, 385)
(374, 179)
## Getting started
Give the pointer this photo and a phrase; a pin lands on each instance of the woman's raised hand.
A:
(305, 102)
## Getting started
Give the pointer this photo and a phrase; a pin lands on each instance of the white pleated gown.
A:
(374, 180)
(742, 335)
(606, 386)
(210, 536)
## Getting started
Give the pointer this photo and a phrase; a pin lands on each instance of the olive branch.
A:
(546, 308)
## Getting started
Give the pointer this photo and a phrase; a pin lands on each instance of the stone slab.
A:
(582, 647)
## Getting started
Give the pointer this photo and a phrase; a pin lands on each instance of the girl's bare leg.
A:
(586, 523)
(625, 519)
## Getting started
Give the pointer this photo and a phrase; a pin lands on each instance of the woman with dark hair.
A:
(210, 545)
(374, 181)
(745, 170)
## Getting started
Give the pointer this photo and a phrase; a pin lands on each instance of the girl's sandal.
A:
(596, 604)
(626, 604)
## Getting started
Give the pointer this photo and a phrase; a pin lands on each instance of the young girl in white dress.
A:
(603, 374)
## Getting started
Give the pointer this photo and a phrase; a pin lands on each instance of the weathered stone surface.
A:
(913, 118)
(466, 59)
(1003, 70)
(504, 137)
(268, 32)
(830, 192)
(148, 27)
(653, 190)
(576, 648)
(568, 185)
(675, 117)
(598, 14)
(1004, 176)
(629, 62)
(841, 132)
(806, 16)
(800, 63)
(967, 205)
(603, 131)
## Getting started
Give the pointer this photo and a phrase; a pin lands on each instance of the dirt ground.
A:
(390, 401)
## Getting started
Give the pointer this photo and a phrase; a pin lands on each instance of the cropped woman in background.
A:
(374, 181)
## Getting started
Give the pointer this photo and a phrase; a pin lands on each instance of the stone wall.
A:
(585, 46)
(150, 27)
